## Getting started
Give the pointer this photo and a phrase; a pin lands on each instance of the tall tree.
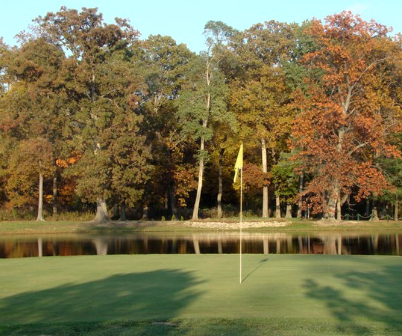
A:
(260, 96)
(220, 37)
(33, 112)
(202, 104)
(164, 64)
(103, 85)
(346, 112)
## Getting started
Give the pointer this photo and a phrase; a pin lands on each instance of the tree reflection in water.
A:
(201, 243)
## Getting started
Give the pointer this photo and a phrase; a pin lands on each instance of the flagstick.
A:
(241, 220)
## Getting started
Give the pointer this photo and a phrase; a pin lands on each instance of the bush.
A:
(17, 214)
(31, 214)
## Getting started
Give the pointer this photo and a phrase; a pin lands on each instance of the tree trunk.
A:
(167, 200)
(299, 210)
(339, 208)
(332, 204)
(288, 210)
(220, 188)
(331, 209)
(54, 196)
(123, 212)
(172, 200)
(375, 211)
(101, 211)
(199, 187)
(265, 194)
(367, 211)
(202, 144)
(396, 210)
(383, 210)
(278, 207)
(116, 212)
(145, 213)
(40, 200)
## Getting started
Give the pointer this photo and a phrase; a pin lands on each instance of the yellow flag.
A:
(239, 162)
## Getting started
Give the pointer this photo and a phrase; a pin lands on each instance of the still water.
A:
(201, 243)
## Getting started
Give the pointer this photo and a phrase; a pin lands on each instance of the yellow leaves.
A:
(74, 158)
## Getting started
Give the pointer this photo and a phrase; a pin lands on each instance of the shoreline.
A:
(283, 225)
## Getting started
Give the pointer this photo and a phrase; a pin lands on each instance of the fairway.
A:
(328, 294)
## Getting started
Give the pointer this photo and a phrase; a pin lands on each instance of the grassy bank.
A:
(294, 225)
(201, 295)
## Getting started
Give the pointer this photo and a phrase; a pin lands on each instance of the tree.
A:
(202, 103)
(103, 85)
(285, 178)
(260, 96)
(32, 107)
(164, 64)
(392, 168)
(221, 37)
(33, 158)
(130, 158)
(346, 112)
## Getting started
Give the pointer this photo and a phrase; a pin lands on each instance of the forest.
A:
(96, 120)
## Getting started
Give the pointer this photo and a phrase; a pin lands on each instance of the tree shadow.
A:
(156, 296)
(359, 296)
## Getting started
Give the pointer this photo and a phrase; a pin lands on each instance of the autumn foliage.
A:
(102, 118)
(346, 114)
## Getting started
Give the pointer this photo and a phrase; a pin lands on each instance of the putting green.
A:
(353, 290)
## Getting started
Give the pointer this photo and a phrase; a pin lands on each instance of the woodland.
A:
(95, 119)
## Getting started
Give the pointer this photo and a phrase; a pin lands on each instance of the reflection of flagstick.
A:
(241, 220)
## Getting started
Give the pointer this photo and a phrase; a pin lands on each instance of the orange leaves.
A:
(345, 113)
(254, 178)
(185, 182)
(74, 158)
(370, 180)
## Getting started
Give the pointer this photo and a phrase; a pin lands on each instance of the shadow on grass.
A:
(362, 296)
(155, 296)
(256, 268)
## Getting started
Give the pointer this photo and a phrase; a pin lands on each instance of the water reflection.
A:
(212, 243)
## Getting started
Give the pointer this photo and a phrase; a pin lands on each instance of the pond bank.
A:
(282, 225)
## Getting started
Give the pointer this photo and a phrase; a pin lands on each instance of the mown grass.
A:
(295, 225)
(201, 295)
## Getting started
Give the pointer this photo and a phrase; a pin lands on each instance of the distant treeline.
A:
(95, 119)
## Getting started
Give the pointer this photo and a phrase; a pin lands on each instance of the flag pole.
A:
(241, 221)
(239, 166)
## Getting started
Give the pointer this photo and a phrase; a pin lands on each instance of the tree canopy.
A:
(101, 118)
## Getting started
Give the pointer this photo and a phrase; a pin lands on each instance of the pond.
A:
(201, 243)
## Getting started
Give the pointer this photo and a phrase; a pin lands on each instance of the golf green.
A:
(340, 290)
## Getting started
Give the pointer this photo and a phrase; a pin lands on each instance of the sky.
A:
(184, 20)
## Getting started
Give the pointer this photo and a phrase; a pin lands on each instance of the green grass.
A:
(201, 295)
(48, 227)
(296, 225)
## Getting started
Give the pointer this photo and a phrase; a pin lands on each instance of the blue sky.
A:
(184, 20)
